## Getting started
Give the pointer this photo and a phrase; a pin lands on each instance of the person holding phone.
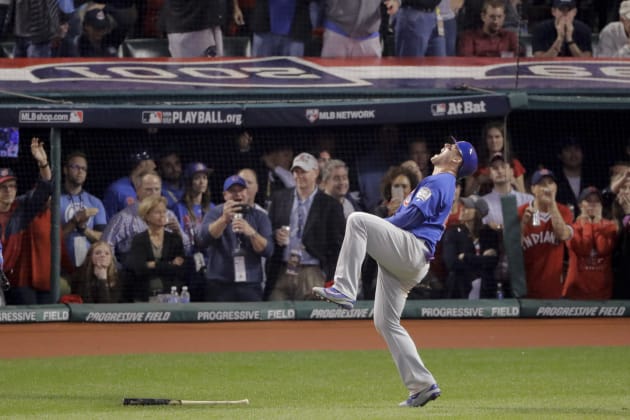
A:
(397, 183)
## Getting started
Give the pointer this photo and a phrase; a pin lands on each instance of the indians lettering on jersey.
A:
(543, 255)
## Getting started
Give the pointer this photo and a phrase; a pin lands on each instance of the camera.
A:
(241, 208)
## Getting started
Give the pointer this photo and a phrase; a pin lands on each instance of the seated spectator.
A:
(122, 192)
(419, 152)
(351, 28)
(494, 141)
(491, 40)
(93, 41)
(469, 252)
(96, 280)
(614, 39)
(156, 256)
(336, 184)
(236, 237)
(590, 274)
(562, 36)
(545, 226)
(469, 16)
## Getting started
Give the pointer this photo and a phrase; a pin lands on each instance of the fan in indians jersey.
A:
(545, 225)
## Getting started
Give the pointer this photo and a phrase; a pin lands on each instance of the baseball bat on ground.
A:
(166, 401)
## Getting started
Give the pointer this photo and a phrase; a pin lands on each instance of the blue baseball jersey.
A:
(425, 210)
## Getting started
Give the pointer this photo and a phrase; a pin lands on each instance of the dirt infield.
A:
(68, 339)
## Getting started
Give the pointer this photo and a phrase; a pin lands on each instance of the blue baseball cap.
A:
(196, 167)
(540, 174)
(232, 180)
(469, 158)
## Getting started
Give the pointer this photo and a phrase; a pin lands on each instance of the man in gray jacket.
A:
(351, 28)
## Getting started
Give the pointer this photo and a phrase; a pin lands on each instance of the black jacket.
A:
(323, 231)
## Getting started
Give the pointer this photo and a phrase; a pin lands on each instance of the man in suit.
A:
(308, 227)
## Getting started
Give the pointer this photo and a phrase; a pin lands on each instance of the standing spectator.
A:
(397, 184)
(614, 39)
(419, 152)
(237, 237)
(194, 27)
(36, 23)
(124, 14)
(126, 224)
(190, 211)
(336, 184)
(418, 29)
(16, 214)
(278, 162)
(494, 140)
(545, 226)
(590, 274)
(448, 10)
(351, 28)
(572, 178)
(280, 28)
(122, 192)
(96, 280)
(82, 214)
(375, 162)
(305, 255)
(250, 177)
(170, 169)
(501, 174)
(470, 253)
(562, 36)
(620, 185)
(156, 255)
(491, 40)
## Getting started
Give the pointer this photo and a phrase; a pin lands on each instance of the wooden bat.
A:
(165, 401)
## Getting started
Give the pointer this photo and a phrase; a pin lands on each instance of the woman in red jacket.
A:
(590, 274)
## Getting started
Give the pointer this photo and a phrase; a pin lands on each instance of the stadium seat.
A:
(6, 49)
(144, 48)
(237, 46)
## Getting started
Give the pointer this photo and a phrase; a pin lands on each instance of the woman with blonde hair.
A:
(96, 280)
(156, 256)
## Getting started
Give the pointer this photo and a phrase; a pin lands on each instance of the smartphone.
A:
(398, 193)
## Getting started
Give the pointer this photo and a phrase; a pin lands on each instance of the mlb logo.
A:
(438, 109)
(152, 117)
(76, 116)
(312, 115)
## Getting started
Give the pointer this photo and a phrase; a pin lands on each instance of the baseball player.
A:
(402, 245)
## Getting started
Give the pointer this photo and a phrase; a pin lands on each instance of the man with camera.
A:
(237, 237)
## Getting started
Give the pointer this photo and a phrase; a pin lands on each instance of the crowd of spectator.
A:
(276, 243)
(326, 28)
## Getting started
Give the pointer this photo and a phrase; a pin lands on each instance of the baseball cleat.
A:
(335, 296)
(419, 399)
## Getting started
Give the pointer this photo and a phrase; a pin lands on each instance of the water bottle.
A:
(185, 296)
(174, 296)
(499, 290)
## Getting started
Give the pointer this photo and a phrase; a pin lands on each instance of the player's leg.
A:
(389, 303)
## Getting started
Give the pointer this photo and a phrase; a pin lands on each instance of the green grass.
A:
(558, 383)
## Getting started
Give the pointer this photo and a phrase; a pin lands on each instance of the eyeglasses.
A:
(77, 167)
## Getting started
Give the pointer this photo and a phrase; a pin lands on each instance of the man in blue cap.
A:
(403, 246)
(237, 237)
